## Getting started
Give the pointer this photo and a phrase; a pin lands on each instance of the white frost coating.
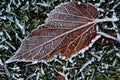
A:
(100, 2)
(1, 11)
(110, 51)
(34, 74)
(104, 66)
(10, 18)
(16, 68)
(82, 75)
(16, 34)
(64, 75)
(80, 78)
(67, 68)
(98, 57)
(54, 10)
(8, 36)
(116, 30)
(20, 26)
(11, 45)
(90, 45)
(42, 71)
(86, 64)
(56, 60)
(18, 1)
(24, 60)
(3, 47)
(107, 36)
(100, 10)
(117, 49)
(97, 28)
(115, 6)
(20, 79)
(118, 55)
(38, 75)
(114, 17)
(86, 48)
(111, 2)
(8, 9)
(1, 62)
(3, 17)
(70, 60)
(114, 63)
(1, 33)
(43, 4)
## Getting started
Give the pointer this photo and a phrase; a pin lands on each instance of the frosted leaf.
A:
(77, 26)
(76, 34)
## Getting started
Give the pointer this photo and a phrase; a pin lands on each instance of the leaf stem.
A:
(106, 20)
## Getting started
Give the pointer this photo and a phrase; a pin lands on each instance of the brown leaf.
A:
(70, 28)
(60, 77)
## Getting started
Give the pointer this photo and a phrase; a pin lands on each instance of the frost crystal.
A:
(115, 17)
(1, 33)
(20, 26)
(107, 35)
(118, 55)
(3, 47)
(3, 17)
(1, 62)
(18, 3)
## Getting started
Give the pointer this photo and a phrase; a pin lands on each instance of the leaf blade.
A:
(58, 38)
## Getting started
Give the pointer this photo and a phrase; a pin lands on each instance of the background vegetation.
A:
(19, 17)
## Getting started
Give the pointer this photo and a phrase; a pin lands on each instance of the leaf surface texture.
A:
(69, 28)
